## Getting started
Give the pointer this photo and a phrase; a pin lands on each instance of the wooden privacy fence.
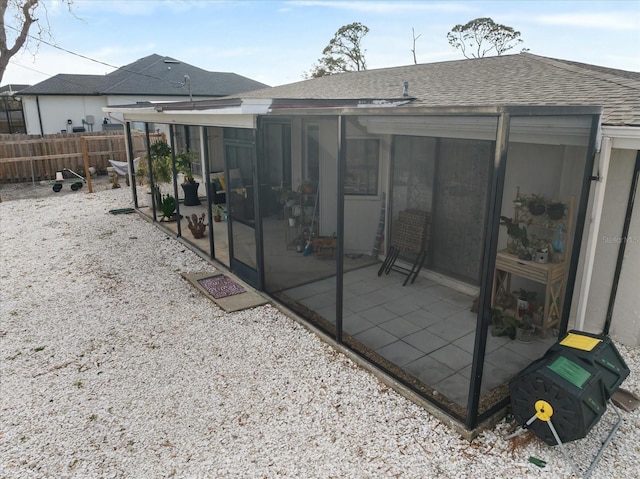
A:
(33, 158)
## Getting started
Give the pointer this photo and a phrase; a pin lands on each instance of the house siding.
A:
(625, 325)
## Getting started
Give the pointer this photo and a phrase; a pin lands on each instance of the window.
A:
(362, 165)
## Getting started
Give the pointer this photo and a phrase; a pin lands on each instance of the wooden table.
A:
(549, 274)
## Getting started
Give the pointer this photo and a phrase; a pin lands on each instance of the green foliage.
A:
(343, 53)
(184, 163)
(515, 231)
(161, 162)
(217, 210)
(481, 36)
(168, 206)
(502, 324)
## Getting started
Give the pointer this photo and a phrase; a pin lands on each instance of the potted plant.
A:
(525, 329)
(161, 161)
(555, 210)
(518, 238)
(197, 225)
(217, 211)
(525, 301)
(168, 208)
(502, 324)
(190, 186)
(536, 205)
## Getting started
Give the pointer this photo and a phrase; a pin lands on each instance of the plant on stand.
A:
(217, 211)
(518, 242)
(184, 163)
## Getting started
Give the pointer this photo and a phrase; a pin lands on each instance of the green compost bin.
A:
(575, 377)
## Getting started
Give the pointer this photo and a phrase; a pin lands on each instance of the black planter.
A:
(191, 193)
(536, 209)
(555, 211)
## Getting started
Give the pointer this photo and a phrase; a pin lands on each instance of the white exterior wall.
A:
(625, 324)
(55, 110)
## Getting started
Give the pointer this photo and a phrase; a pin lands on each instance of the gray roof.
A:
(11, 88)
(153, 75)
(523, 79)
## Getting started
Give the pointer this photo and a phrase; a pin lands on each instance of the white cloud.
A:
(386, 7)
(612, 21)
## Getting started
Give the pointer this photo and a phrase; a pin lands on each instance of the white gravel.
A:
(112, 366)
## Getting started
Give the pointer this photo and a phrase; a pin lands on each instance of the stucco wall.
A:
(625, 325)
(55, 111)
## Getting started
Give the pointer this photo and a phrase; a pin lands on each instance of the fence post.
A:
(85, 158)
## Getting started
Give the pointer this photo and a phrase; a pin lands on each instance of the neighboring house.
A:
(11, 115)
(456, 141)
(74, 102)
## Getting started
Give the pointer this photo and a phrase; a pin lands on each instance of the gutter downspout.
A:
(594, 229)
(39, 115)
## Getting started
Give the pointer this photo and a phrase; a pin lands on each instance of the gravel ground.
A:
(112, 366)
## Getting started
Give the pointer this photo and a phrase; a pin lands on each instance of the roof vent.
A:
(170, 60)
(405, 90)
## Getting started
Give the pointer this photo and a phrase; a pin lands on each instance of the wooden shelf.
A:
(549, 274)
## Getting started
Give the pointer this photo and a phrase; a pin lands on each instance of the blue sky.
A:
(275, 42)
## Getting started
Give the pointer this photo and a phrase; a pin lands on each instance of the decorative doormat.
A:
(225, 291)
(221, 286)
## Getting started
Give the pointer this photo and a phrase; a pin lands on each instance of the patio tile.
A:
(441, 291)
(354, 324)
(421, 298)
(380, 297)
(328, 313)
(532, 351)
(508, 360)
(453, 357)
(401, 307)
(400, 353)
(378, 314)
(358, 304)
(422, 318)
(360, 287)
(319, 300)
(301, 292)
(400, 327)
(466, 342)
(454, 388)
(425, 341)
(463, 301)
(494, 376)
(428, 370)
(442, 309)
(449, 330)
(495, 342)
(375, 338)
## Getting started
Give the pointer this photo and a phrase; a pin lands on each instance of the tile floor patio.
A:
(426, 328)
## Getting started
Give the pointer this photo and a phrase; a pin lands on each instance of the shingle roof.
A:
(522, 79)
(151, 75)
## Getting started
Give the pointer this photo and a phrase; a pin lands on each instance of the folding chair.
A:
(410, 235)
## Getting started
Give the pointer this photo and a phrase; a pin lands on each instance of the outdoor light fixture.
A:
(562, 395)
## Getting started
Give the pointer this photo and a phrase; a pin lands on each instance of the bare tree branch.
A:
(23, 14)
(413, 50)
